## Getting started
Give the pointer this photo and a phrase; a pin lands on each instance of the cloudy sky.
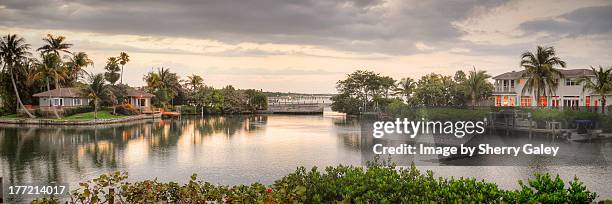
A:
(308, 45)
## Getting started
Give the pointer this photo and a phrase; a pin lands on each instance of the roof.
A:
(568, 73)
(138, 93)
(61, 92)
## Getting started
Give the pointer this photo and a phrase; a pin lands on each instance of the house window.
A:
(570, 101)
(76, 101)
(525, 101)
(570, 82)
(57, 102)
(588, 101)
(555, 101)
(512, 84)
(543, 101)
(497, 100)
(141, 102)
(505, 101)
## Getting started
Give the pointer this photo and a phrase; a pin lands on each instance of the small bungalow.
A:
(62, 97)
(140, 99)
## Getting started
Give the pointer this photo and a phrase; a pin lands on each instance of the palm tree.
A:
(475, 85)
(75, 66)
(13, 52)
(124, 58)
(96, 90)
(194, 82)
(50, 69)
(600, 86)
(163, 83)
(55, 44)
(405, 87)
(112, 67)
(540, 72)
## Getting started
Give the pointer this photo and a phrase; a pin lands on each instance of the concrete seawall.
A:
(36, 121)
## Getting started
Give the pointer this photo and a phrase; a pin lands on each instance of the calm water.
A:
(226, 150)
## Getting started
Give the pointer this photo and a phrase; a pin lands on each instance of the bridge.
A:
(299, 103)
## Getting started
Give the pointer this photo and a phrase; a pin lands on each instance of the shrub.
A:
(189, 110)
(77, 110)
(340, 184)
(126, 109)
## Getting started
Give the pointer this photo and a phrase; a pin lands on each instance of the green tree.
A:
(367, 87)
(49, 69)
(96, 90)
(475, 85)
(163, 84)
(55, 44)
(194, 82)
(256, 100)
(13, 52)
(437, 90)
(405, 87)
(600, 85)
(75, 64)
(112, 69)
(124, 58)
(540, 72)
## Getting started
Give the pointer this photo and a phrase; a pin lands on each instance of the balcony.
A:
(507, 89)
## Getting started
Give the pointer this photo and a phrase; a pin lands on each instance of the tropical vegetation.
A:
(56, 65)
(366, 91)
(600, 85)
(374, 183)
(541, 72)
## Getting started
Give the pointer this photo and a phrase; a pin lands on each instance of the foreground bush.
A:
(340, 184)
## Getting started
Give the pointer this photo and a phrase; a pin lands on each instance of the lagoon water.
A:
(227, 150)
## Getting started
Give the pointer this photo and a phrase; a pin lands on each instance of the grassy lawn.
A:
(90, 116)
(12, 116)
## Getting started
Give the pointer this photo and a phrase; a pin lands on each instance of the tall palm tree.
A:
(124, 58)
(55, 44)
(601, 86)
(75, 66)
(112, 67)
(13, 51)
(96, 90)
(540, 72)
(194, 82)
(475, 85)
(50, 69)
(405, 87)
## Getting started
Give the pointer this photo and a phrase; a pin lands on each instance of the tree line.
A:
(365, 91)
(24, 72)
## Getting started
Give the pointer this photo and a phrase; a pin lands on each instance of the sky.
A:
(306, 46)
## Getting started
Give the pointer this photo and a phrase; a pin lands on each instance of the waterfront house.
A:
(509, 86)
(140, 99)
(61, 98)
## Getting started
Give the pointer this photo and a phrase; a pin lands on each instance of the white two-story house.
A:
(509, 86)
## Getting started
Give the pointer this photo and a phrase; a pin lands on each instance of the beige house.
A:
(139, 99)
(61, 98)
(509, 86)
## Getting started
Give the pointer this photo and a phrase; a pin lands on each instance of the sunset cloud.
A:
(261, 44)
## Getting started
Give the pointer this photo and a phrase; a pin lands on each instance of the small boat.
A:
(584, 131)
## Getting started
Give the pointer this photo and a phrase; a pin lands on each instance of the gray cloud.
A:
(352, 25)
(584, 21)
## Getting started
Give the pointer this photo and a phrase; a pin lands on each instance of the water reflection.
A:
(222, 149)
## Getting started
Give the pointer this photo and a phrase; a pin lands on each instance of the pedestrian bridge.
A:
(299, 104)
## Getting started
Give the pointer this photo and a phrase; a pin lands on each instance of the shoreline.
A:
(35, 121)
